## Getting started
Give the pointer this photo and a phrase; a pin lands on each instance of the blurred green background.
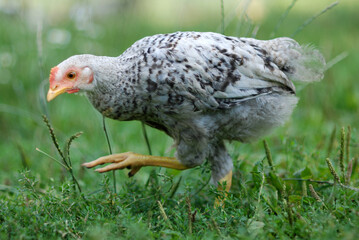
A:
(37, 35)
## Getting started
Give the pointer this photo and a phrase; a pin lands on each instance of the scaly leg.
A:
(134, 161)
(225, 181)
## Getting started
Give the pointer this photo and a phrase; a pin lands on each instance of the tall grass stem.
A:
(306, 23)
(332, 171)
(222, 17)
(331, 141)
(164, 215)
(110, 151)
(268, 155)
(341, 154)
(145, 136)
(282, 17)
(347, 144)
(40, 62)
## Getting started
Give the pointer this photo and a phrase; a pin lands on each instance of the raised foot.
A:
(119, 161)
(133, 161)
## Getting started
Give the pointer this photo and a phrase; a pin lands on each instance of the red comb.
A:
(53, 74)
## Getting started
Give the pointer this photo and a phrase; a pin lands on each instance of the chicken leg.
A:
(227, 182)
(134, 161)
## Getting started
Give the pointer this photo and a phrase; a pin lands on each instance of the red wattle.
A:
(73, 90)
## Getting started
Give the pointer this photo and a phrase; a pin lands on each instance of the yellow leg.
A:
(225, 181)
(134, 161)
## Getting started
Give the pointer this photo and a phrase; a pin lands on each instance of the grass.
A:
(300, 183)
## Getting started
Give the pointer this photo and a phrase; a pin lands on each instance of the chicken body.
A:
(199, 88)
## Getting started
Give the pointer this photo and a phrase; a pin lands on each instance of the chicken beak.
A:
(53, 93)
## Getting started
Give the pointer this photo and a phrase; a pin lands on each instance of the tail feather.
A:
(299, 63)
(309, 66)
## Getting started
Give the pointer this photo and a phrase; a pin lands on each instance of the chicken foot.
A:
(134, 161)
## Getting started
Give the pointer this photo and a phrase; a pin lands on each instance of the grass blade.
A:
(39, 33)
(51, 157)
(306, 23)
(222, 17)
(304, 189)
(341, 155)
(164, 215)
(331, 141)
(349, 172)
(68, 145)
(189, 213)
(347, 144)
(24, 158)
(335, 60)
(314, 193)
(268, 155)
(54, 139)
(241, 17)
(332, 171)
(110, 151)
(281, 19)
(144, 132)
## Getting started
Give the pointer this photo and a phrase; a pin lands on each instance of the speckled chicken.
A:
(199, 88)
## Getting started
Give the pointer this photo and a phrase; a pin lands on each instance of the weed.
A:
(65, 154)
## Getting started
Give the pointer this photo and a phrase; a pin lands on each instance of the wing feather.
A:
(211, 70)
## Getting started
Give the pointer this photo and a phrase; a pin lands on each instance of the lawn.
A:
(304, 185)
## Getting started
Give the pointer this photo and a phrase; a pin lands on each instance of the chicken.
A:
(199, 88)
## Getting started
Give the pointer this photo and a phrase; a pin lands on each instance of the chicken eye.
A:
(71, 75)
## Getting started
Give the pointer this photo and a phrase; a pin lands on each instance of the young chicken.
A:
(199, 88)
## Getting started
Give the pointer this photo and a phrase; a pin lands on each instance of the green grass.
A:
(40, 200)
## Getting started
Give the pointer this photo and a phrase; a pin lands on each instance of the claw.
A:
(133, 171)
